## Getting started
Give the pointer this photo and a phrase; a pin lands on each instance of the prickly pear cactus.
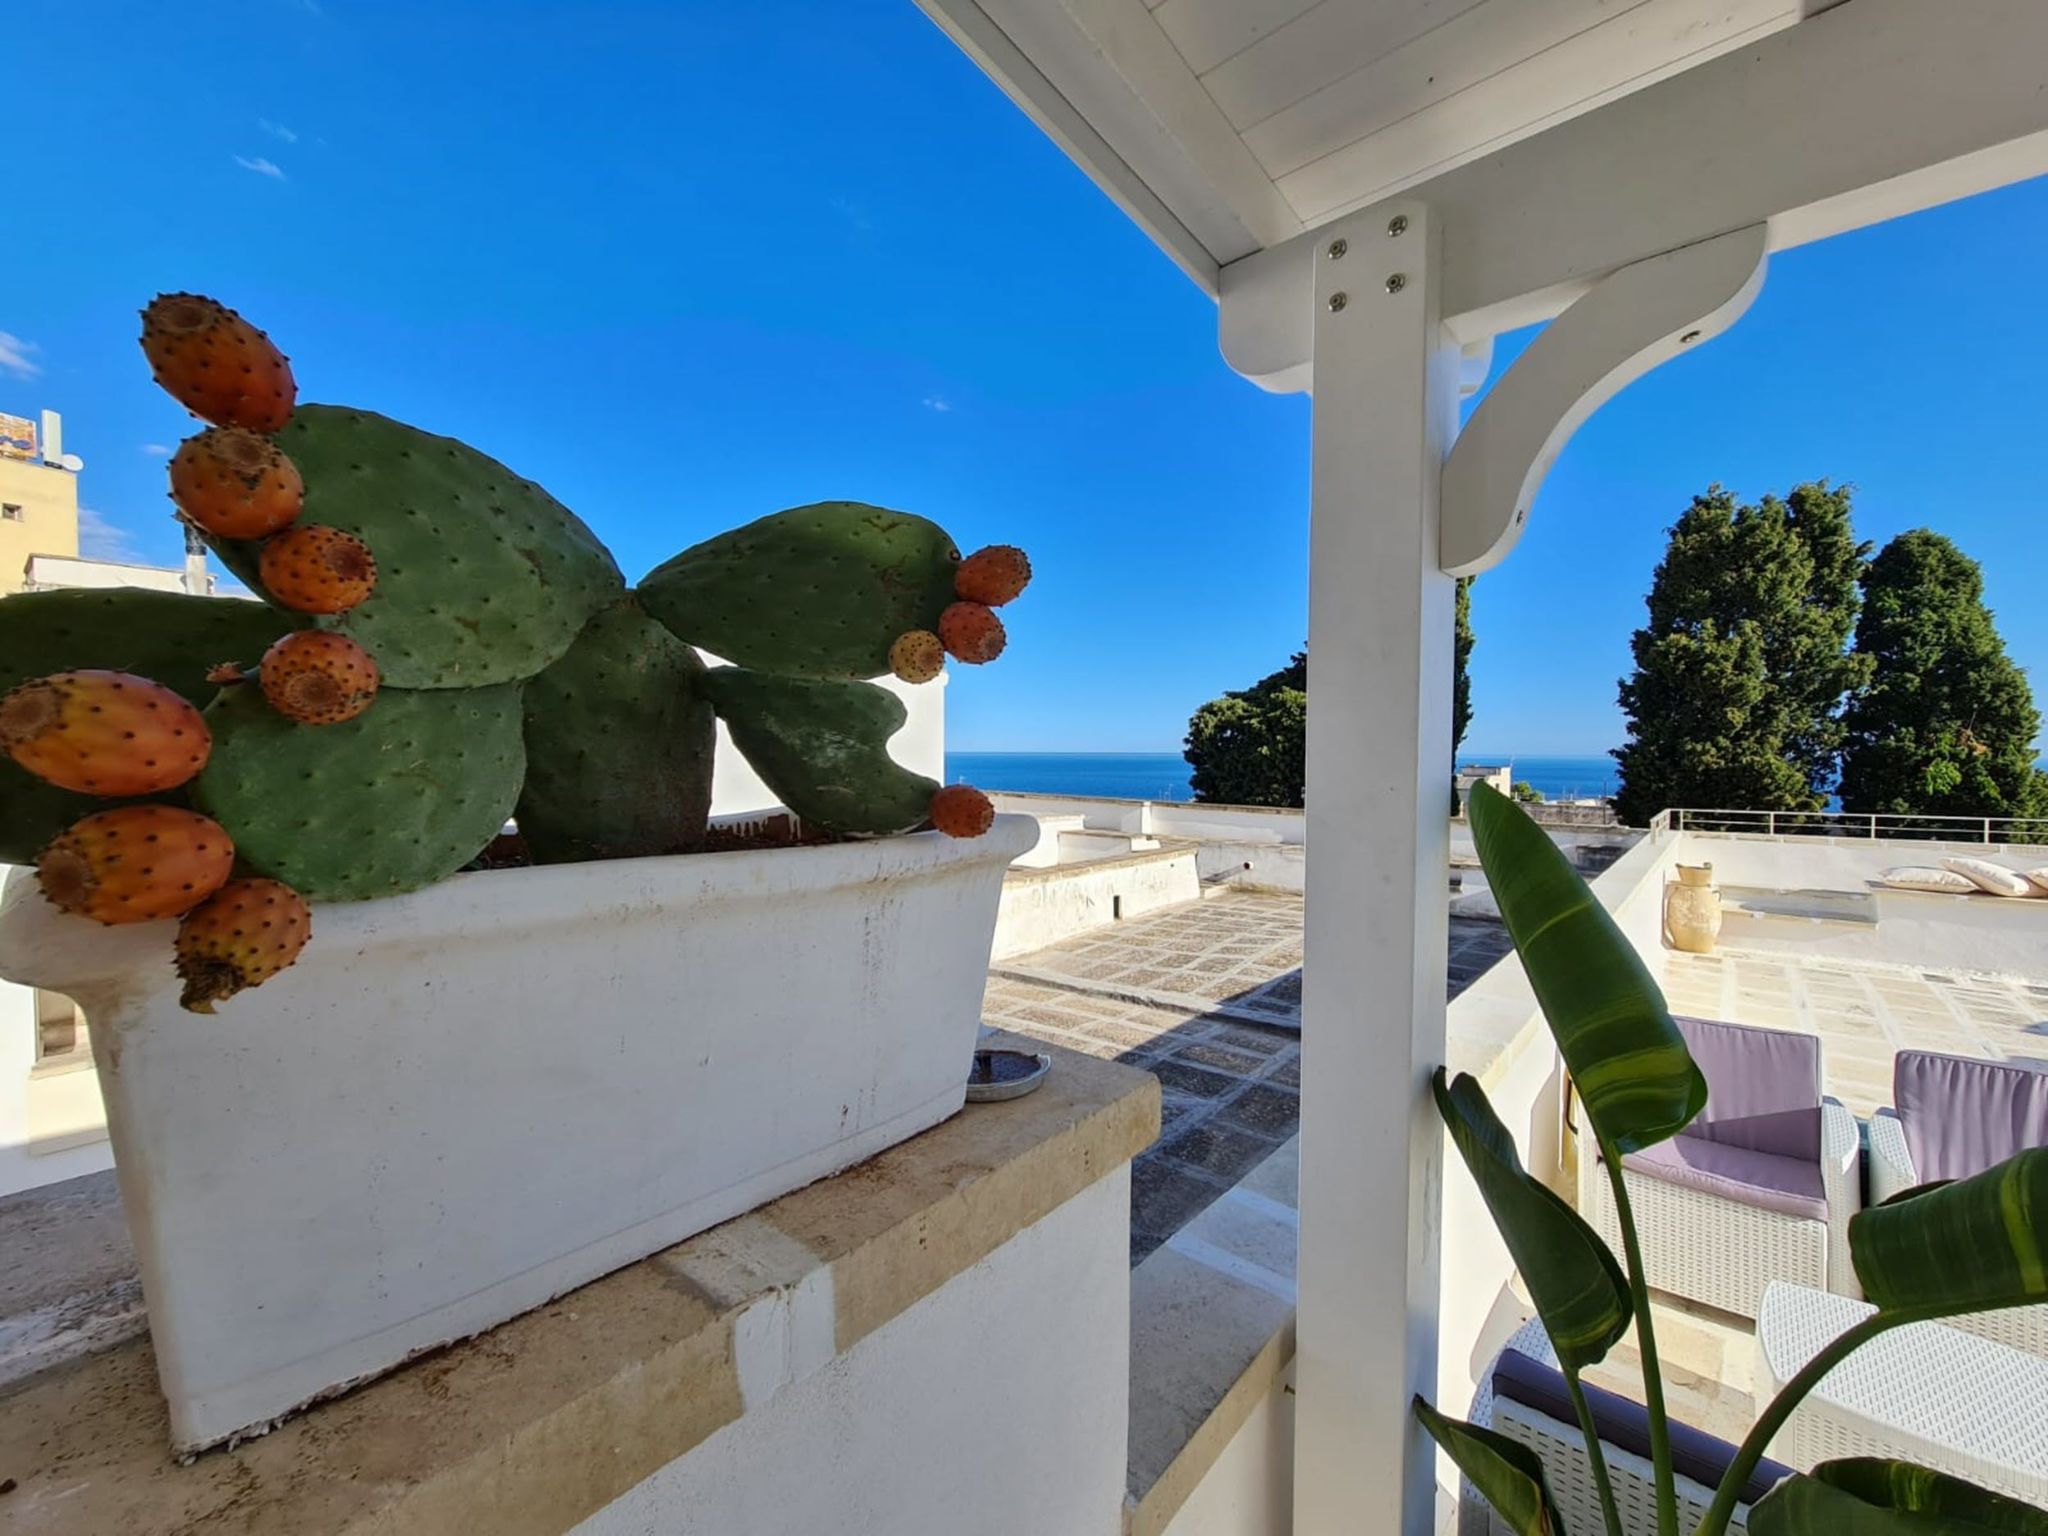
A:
(403, 795)
(822, 746)
(817, 591)
(166, 636)
(619, 739)
(482, 577)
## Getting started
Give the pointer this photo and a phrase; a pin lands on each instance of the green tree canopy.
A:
(1250, 747)
(1741, 671)
(1946, 724)
(1461, 679)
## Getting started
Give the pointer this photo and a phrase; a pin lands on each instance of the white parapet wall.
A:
(997, 1405)
(1995, 935)
(1045, 904)
(52, 1123)
(1249, 1491)
(936, 1342)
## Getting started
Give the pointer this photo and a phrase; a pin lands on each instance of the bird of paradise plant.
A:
(1972, 1245)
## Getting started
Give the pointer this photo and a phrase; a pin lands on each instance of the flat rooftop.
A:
(1206, 996)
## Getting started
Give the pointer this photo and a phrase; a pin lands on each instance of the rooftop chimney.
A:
(198, 579)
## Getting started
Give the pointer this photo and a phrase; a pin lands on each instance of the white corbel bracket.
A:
(1631, 320)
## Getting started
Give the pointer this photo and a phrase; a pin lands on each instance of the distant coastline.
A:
(1164, 775)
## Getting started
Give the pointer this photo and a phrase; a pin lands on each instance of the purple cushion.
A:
(1622, 1422)
(1963, 1115)
(1789, 1185)
(1763, 1088)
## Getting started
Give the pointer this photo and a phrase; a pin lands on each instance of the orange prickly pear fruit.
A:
(216, 364)
(104, 733)
(993, 575)
(972, 632)
(235, 484)
(316, 569)
(318, 678)
(136, 863)
(239, 937)
(961, 810)
(918, 656)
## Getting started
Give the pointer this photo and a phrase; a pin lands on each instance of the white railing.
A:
(1866, 826)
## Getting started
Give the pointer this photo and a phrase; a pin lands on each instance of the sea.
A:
(1164, 775)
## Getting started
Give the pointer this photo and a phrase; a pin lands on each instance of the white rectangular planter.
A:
(463, 1102)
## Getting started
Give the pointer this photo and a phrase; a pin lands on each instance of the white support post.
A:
(1379, 799)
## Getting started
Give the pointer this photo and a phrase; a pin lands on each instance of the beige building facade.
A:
(38, 497)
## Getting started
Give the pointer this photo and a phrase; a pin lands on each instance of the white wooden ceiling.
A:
(1226, 126)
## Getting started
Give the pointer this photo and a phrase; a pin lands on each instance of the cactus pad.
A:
(165, 636)
(822, 747)
(403, 795)
(482, 577)
(817, 591)
(618, 745)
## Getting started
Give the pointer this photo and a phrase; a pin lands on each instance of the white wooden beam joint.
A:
(1633, 319)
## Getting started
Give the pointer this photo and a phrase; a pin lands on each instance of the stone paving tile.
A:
(1217, 1148)
(1266, 1109)
(1166, 1196)
(1195, 1081)
(1230, 1089)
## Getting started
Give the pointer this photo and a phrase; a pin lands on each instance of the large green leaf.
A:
(1867, 1496)
(1579, 1290)
(1968, 1246)
(1508, 1475)
(1633, 1072)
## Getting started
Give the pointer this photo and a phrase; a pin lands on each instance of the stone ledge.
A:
(1212, 1335)
(531, 1427)
(1169, 849)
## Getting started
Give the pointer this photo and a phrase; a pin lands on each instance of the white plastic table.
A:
(1925, 1393)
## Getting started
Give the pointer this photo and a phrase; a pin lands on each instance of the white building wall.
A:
(1250, 1489)
(998, 1405)
(52, 1126)
(1038, 910)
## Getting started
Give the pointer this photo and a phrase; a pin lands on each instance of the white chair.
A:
(1760, 1187)
(1524, 1398)
(1956, 1116)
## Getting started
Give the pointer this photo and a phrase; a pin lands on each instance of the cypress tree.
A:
(1738, 691)
(1946, 723)
(1461, 680)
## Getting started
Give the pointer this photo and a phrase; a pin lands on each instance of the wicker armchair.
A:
(1524, 1398)
(1759, 1188)
(1957, 1116)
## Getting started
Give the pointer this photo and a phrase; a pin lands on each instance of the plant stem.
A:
(1596, 1456)
(1646, 1343)
(1751, 1451)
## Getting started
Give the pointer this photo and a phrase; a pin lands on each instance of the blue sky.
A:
(689, 263)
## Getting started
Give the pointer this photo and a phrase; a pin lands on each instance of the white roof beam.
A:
(1873, 109)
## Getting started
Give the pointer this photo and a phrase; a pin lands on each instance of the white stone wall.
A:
(53, 1126)
(1250, 1489)
(998, 1405)
(1038, 910)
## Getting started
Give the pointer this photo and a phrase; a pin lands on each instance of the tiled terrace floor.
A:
(1207, 997)
(1865, 1013)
